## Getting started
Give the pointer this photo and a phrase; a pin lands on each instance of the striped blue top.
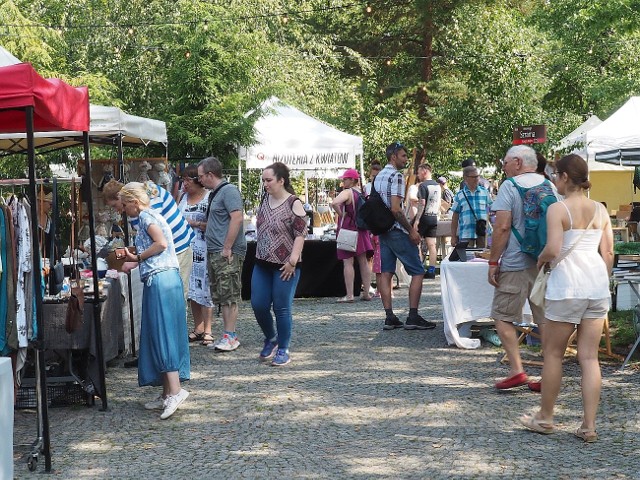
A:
(165, 205)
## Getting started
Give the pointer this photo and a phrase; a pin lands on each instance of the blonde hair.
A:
(135, 191)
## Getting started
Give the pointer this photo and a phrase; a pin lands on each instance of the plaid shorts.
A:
(225, 278)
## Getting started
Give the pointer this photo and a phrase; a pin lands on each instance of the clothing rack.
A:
(42, 444)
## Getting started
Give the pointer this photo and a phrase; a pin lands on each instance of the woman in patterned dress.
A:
(193, 205)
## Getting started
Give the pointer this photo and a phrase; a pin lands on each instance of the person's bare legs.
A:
(202, 317)
(384, 287)
(433, 252)
(170, 383)
(230, 317)
(349, 274)
(555, 338)
(365, 275)
(589, 335)
(415, 290)
(509, 338)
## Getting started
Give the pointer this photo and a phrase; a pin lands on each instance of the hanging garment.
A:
(636, 179)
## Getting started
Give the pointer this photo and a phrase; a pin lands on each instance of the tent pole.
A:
(240, 174)
(97, 307)
(125, 225)
(44, 438)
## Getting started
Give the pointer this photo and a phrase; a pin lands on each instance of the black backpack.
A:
(373, 214)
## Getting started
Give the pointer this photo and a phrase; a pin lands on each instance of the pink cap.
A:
(351, 173)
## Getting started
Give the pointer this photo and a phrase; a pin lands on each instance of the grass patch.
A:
(621, 327)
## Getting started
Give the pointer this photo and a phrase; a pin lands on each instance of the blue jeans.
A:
(268, 288)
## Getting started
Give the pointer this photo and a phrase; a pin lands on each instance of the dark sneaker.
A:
(430, 273)
(418, 323)
(391, 323)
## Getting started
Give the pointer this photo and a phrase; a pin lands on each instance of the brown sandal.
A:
(207, 339)
(195, 336)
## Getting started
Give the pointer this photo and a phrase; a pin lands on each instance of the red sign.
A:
(528, 134)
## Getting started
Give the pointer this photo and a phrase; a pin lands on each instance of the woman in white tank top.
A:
(577, 293)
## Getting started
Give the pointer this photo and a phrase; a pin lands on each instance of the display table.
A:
(321, 273)
(56, 337)
(6, 419)
(467, 296)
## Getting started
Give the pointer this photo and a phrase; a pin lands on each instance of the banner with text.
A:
(529, 134)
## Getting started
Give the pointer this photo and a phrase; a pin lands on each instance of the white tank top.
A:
(582, 274)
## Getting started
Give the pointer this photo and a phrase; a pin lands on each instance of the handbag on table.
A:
(539, 289)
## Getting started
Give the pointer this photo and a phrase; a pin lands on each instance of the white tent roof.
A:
(105, 122)
(620, 130)
(6, 58)
(579, 135)
(285, 134)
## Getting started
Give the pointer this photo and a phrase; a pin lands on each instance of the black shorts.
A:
(428, 226)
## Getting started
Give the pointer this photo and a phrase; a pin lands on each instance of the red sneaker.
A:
(535, 386)
(517, 380)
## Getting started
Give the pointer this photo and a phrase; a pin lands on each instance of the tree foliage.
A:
(450, 78)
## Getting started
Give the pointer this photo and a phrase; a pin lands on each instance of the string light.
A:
(285, 19)
(368, 9)
(130, 31)
(187, 54)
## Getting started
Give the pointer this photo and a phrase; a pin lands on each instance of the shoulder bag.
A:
(481, 224)
(539, 289)
(347, 240)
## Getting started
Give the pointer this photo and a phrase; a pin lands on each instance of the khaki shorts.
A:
(185, 263)
(225, 278)
(574, 310)
(509, 297)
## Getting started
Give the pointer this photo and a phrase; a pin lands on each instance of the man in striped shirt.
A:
(163, 203)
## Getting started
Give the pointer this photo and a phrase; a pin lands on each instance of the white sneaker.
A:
(155, 404)
(227, 344)
(172, 403)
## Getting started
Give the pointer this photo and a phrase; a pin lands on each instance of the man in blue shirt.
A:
(470, 204)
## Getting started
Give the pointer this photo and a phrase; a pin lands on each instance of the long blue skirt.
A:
(164, 343)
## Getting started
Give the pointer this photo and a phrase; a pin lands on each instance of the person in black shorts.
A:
(430, 195)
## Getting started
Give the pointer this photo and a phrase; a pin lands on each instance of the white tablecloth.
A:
(6, 419)
(466, 297)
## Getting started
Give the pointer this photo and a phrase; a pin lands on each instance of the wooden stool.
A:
(572, 347)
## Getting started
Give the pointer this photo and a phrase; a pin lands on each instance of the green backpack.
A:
(535, 201)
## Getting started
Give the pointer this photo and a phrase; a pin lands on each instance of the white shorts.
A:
(574, 310)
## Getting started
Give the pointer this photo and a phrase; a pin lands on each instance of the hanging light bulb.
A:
(130, 30)
(388, 61)
(187, 54)
(381, 91)
(206, 25)
(368, 9)
(285, 19)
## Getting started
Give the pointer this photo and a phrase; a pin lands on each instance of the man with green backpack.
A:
(519, 235)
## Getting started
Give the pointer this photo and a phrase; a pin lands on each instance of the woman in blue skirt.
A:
(163, 358)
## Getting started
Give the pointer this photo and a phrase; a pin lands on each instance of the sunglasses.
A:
(394, 147)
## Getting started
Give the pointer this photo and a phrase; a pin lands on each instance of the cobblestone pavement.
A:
(356, 402)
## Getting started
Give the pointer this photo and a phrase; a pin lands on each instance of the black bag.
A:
(481, 228)
(56, 278)
(375, 214)
(481, 224)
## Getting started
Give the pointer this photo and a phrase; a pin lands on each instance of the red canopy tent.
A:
(30, 103)
(56, 105)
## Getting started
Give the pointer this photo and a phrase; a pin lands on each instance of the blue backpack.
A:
(535, 201)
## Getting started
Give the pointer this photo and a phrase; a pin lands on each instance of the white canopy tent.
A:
(107, 123)
(287, 135)
(620, 131)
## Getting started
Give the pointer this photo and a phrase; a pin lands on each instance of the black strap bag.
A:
(375, 214)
